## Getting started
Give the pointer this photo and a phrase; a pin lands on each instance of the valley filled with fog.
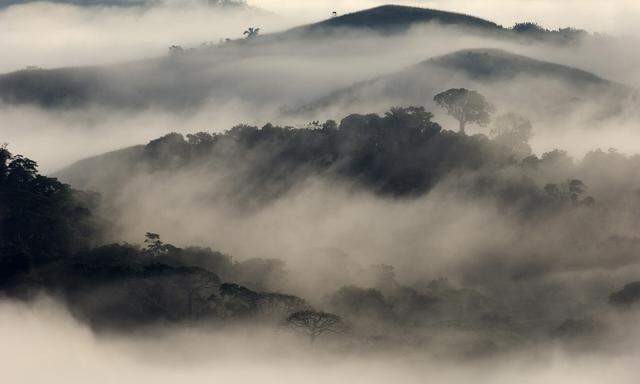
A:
(319, 191)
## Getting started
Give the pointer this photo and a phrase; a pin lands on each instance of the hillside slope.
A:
(189, 77)
(534, 87)
(393, 18)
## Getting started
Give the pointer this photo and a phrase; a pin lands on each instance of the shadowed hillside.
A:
(554, 89)
(495, 64)
(393, 18)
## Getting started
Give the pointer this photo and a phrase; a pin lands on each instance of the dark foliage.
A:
(465, 106)
(41, 219)
(315, 324)
(628, 295)
(402, 153)
(47, 242)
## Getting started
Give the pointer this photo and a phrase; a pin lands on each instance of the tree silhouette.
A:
(315, 324)
(251, 32)
(465, 106)
(155, 246)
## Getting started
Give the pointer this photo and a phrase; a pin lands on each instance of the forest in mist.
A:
(361, 191)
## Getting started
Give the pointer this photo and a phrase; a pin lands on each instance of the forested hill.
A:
(51, 235)
(402, 153)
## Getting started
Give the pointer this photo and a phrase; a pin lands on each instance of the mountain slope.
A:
(495, 64)
(535, 87)
(393, 18)
(250, 70)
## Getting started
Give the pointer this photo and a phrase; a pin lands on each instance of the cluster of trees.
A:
(48, 242)
(249, 33)
(51, 238)
(401, 153)
(562, 35)
(41, 219)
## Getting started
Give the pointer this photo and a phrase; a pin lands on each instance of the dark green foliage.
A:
(240, 301)
(528, 27)
(402, 153)
(315, 324)
(563, 35)
(465, 106)
(41, 219)
(46, 239)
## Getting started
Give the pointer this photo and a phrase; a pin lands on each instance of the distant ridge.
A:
(179, 88)
(489, 67)
(496, 64)
(394, 18)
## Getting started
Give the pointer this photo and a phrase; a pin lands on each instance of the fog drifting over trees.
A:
(319, 191)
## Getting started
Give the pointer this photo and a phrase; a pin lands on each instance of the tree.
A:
(251, 32)
(528, 27)
(41, 219)
(155, 246)
(570, 191)
(513, 131)
(315, 324)
(465, 106)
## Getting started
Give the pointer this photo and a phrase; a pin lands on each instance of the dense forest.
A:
(54, 238)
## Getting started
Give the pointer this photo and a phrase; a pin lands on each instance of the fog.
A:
(445, 256)
(252, 87)
(66, 351)
(54, 35)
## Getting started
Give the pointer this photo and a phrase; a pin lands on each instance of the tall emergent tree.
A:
(465, 106)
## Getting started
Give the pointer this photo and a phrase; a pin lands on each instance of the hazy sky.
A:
(618, 16)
